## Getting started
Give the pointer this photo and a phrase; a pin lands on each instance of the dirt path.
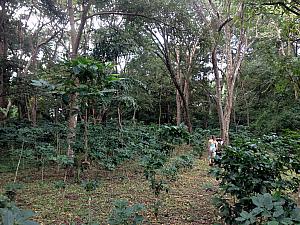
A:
(190, 198)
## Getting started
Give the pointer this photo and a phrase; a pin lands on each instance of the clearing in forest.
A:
(187, 202)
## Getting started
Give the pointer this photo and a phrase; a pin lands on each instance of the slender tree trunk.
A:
(86, 136)
(134, 115)
(167, 61)
(75, 41)
(218, 92)
(33, 111)
(178, 108)
(186, 114)
(223, 27)
(4, 77)
(248, 116)
(72, 123)
(160, 110)
(73, 107)
(179, 81)
(186, 92)
(120, 117)
(168, 113)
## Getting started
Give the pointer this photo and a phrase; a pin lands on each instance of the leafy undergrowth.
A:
(188, 201)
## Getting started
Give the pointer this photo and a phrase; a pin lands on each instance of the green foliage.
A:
(90, 185)
(114, 149)
(11, 190)
(269, 88)
(286, 147)
(63, 160)
(60, 184)
(199, 139)
(15, 215)
(174, 134)
(37, 142)
(271, 210)
(11, 215)
(90, 72)
(182, 162)
(92, 77)
(123, 214)
(255, 168)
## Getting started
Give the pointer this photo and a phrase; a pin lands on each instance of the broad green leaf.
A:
(272, 223)
(256, 211)
(26, 214)
(267, 200)
(278, 211)
(29, 222)
(296, 214)
(240, 219)
(8, 217)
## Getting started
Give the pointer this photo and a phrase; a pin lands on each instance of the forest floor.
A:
(187, 202)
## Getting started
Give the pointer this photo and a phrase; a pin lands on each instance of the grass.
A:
(186, 203)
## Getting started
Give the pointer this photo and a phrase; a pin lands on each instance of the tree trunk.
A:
(160, 108)
(56, 114)
(178, 108)
(179, 81)
(120, 117)
(4, 76)
(33, 111)
(218, 92)
(186, 92)
(72, 123)
(75, 41)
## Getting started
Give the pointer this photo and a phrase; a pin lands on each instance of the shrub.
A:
(10, 214)
(251, 169)
(270, 210)
(123, 214)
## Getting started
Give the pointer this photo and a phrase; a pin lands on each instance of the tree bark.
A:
(232, 61)
(179, 81)
(33, 111)
(186, 91)
(218, 91)
(73, 103)
(4, 76)
(178, 108)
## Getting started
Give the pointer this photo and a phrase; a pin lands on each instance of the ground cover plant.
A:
(252, 168)
(160, 158)
(58, 205)
(257, 178)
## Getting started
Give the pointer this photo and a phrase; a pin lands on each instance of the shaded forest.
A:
(106, 109)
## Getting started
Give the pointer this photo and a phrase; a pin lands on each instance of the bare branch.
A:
(215, 10)
(36, 50)
(224, 23)
(81, 26)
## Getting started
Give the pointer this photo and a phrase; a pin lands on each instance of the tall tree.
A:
(172, 36)
(230, 33)
(3, 55)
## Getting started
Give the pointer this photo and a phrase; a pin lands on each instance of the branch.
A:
(83, 19)
(103, 13)
(35, 51)
(121, 14)
(213, 6)
(224, 23)
(286, 7)
(200, 13)
(155, 37)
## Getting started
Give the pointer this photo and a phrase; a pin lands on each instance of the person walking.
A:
(212, 149)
